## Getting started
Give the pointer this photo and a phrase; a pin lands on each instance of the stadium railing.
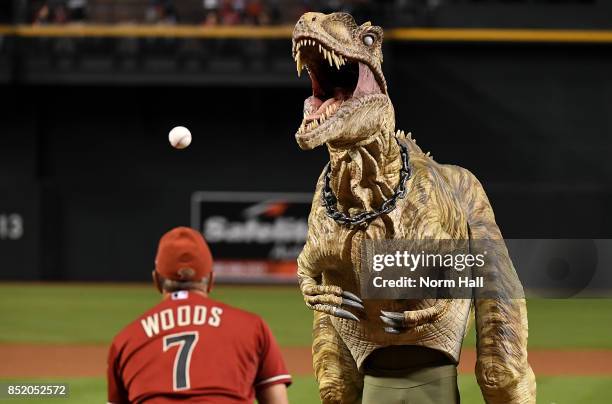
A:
(279, 32)
(199, 54)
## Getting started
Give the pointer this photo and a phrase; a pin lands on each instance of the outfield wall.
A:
(89, 169)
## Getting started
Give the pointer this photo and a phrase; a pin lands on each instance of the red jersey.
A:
(190, 348)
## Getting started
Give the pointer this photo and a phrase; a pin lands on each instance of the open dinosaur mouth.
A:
(335, 80)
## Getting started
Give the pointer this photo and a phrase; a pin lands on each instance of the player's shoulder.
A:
(134, 328)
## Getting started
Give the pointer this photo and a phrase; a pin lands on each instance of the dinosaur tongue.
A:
(339, 97)
(366, 85)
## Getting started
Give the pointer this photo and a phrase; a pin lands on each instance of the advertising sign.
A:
(254, 237)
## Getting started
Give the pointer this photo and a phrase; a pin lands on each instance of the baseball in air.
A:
(180, 137)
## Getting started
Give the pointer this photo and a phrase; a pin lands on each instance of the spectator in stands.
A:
(211, 12)
(60, 14)
(255, 13)
(161, 12)
(58, 11)
(77, 10)
(228, 14)
(239, 7)
(216, 12)
(42, 14)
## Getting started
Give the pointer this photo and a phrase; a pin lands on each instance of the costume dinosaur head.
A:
(349, 101)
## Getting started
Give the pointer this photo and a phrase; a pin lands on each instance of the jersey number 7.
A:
(186, 342)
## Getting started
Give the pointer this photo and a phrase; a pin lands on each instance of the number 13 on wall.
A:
(11, 226)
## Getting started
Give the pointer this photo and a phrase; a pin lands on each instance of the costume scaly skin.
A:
(351, 113)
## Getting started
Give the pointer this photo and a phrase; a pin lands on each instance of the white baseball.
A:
(180, 137)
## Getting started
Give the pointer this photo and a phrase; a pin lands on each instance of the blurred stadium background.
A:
(519, 92)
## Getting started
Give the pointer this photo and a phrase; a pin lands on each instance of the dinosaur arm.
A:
(502, 370)
(316, 296)
(328, 299)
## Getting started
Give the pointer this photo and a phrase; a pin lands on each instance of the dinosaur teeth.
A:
(337, 62)
(330, 110)
(301, 44)
(329, 55)
(298, 61)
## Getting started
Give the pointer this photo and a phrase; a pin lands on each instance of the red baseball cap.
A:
(181, 249)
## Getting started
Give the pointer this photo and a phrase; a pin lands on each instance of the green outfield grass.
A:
(94, 314)
(86, 314)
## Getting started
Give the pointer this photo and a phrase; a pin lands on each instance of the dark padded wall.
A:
(19, 189)
(532, 122)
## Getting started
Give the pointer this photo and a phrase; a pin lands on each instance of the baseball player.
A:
(190, 348)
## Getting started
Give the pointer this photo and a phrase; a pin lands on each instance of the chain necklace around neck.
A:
(330, 201)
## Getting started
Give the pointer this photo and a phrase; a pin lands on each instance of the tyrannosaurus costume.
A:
(365, 193)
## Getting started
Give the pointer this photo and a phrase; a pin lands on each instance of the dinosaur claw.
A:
(393, 315)
(345, 314)
(351, 303)
(392, 330)
(389, 322)
(352, 296)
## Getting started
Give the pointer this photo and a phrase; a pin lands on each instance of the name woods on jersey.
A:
(181, 316)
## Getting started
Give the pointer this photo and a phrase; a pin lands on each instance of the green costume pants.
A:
(435, 385)
(412, 375)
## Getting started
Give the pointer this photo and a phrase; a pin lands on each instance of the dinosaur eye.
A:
(368, 39)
